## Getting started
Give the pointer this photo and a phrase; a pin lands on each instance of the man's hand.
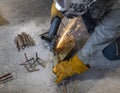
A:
(68, 68)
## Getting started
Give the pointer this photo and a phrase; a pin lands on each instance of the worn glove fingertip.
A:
(59, 79)
(54, 70)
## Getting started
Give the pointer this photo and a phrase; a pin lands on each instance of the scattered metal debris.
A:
(6, 77)
(30, 64)
(23, 40)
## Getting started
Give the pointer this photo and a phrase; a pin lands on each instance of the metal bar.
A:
(26, 56)
(27, 62)
(41, 64)
(31, 69)
(5, 78)
(37, 60)
(36, 55)
(5, 75)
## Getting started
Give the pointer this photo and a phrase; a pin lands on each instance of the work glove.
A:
(68, 68)
(55, 12)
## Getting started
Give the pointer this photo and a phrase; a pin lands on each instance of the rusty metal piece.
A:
(26, 56)
(32, 42)
(23, 40)
(1, 82)
(40, 61)
(29, 64)
(19, 43)
(27, 41)
(28, 61)
(6, 77)
(25, 63)
(29, 69)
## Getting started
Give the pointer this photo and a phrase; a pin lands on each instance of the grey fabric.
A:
(118, 1)
(105, 32)
(100, 7)
(76, 7)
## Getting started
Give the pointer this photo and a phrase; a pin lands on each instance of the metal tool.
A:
(53, 30)
(51, 35)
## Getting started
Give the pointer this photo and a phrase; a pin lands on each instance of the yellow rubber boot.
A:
(68, 68)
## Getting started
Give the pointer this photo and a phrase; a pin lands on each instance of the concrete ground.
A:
(32, 17)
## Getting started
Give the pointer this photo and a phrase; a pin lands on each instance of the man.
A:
(101, 18)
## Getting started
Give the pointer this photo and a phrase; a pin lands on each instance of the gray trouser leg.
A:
(107, 31)
(101, 37)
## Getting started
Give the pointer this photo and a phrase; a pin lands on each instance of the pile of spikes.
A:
(23, 40)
